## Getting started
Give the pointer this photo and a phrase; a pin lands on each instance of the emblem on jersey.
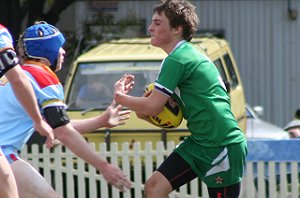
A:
(3, 81)
(219, 180)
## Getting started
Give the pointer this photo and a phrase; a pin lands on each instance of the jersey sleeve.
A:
(170, 76)
(48, 89)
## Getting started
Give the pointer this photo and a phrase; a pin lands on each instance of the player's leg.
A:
(172, 173)
(29, 182)
(8, 187)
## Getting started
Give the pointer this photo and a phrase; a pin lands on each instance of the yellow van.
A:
(99, 68)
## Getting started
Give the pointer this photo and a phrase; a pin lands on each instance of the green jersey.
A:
(206, 102)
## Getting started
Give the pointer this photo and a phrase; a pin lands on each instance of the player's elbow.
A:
(62, 133)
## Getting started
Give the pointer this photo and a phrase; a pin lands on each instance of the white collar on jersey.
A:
(177, 45)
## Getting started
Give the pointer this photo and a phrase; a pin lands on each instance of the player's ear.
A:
(178, 30)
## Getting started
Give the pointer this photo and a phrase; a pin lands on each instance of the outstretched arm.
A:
(77, 144)
(113, 116)
(63, 130)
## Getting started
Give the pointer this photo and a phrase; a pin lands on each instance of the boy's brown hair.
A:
(180, 13)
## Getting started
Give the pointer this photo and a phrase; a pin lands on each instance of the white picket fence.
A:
(73, 178)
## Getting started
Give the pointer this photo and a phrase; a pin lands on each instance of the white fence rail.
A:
(73, 178)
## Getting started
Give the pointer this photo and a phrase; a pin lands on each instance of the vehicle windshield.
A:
(92, 86)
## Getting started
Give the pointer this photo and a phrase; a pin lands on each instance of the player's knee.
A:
(154, 189)
(150, 188)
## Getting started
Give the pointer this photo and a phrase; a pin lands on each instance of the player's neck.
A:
(169, 48)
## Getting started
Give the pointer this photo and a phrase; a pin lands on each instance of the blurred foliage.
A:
(15, 13)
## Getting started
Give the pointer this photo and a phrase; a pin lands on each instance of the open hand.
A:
(124, 85)
(114, 176)
(115, 115)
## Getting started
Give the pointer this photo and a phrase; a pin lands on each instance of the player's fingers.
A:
(128, 88)
(122, 120)
(113, 103)
(119, 107)
(125, 112)
(49, 142)
(125, 78)
(123, 184)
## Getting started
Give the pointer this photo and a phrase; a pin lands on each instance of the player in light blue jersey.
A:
(41, 53)
(9, 66)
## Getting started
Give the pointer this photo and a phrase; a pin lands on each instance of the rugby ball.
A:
(171, 116)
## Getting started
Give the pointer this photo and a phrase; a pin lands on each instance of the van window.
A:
(220, 67)
(233, 77)
(92, 87)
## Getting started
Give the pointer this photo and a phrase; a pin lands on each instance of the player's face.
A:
(160, 30)
(60, 59)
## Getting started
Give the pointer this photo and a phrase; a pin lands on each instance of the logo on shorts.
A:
(219, 180)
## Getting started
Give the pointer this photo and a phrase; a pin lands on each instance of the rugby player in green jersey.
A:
(216, 150)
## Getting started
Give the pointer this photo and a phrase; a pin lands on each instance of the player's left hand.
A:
(115, 177)
(45, 130)
(115, 116)
(124, 85)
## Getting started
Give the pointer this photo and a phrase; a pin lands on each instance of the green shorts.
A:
(216, 166)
